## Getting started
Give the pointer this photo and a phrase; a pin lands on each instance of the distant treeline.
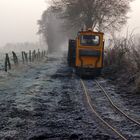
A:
(18, 47)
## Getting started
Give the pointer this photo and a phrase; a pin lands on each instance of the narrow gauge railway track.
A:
(115, 106)
(92, 106)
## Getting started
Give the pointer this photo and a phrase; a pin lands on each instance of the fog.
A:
(18, 22)
(134, 20)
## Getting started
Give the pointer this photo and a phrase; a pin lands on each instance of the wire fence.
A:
(10, 60)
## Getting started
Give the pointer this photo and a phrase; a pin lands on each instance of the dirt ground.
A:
(45, 101)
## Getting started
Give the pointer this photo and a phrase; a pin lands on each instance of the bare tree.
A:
(99, 14)
(72, 15)
(50, 27)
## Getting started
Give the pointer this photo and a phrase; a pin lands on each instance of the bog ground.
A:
(46, 101)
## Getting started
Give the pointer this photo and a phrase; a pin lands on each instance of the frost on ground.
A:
(43, 101)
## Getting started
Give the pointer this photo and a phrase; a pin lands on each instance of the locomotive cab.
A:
(87, 53)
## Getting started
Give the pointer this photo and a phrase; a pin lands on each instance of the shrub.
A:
(116, 56)
(125, 56)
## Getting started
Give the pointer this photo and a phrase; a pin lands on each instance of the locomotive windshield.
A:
(90, 40)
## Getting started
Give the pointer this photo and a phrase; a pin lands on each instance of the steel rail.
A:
(115, 106)
(94, 111)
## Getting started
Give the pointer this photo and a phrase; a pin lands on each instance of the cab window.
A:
(89, 40)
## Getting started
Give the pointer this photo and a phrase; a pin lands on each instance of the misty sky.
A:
(18, 19)
(134, 20)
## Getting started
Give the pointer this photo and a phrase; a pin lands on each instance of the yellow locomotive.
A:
(86, 52)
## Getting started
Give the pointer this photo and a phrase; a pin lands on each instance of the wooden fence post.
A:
(33, 55)
(30, 56)
(26, 57)
(38, 54)
(7, 62)
(15, 58)
(23, 59)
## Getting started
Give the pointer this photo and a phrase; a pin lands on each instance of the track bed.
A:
(46, 101)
